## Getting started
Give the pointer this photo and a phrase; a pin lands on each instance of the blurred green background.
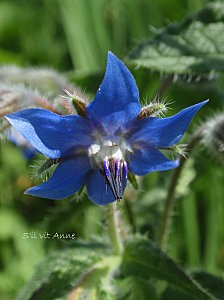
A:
(73, 37)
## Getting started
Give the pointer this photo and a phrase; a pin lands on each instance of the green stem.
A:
(170, 199)
(114, 230)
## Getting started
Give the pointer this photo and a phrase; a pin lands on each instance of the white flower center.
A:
(107, 149)
(109, 157)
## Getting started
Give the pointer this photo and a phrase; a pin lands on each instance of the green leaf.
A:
(141, 258)
(133, 288)
(212, 283)
(193, 46)
(85, 272)
(174, 294)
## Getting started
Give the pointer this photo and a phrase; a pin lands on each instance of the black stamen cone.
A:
(113, 175)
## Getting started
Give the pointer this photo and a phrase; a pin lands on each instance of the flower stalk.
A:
(113, 226)
(166, 219)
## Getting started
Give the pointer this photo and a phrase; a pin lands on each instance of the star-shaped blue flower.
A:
(100, 148)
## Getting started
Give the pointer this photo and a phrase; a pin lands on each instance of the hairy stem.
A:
(113, 226)
(170, 198)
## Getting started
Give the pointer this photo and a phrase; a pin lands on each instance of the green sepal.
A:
(133, 180)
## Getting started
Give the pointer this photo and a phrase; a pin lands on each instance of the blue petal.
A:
(117, 101)
(51, 134)
(158, 132)
(68, 178)
(144, 161)
(97, 190)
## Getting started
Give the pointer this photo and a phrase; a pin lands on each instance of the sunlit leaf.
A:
(193, 46)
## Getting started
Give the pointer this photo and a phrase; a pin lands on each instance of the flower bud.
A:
(213, 135)
(153, 109)
(47, 81)
(77, 100)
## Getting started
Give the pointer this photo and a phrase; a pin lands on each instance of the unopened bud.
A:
(77, 100)
(153, 109)
(213, 135)
(47, 81)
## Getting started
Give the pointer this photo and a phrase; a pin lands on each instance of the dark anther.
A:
(114, 172)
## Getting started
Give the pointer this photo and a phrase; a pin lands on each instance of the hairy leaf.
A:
(80, 272)
(193, 46)
(212, 283)
(144, 260)
(133, 288)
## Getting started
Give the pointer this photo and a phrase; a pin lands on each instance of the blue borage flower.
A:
(101, 147)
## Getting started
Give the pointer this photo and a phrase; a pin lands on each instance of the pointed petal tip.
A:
(111, 57)
(30, 192)
(36, 192)
(199, 105)
(110, 53)
(51, 134)
(203, 102)
(67, 179)
(116, 103)
(9, 117)
(194, 108)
